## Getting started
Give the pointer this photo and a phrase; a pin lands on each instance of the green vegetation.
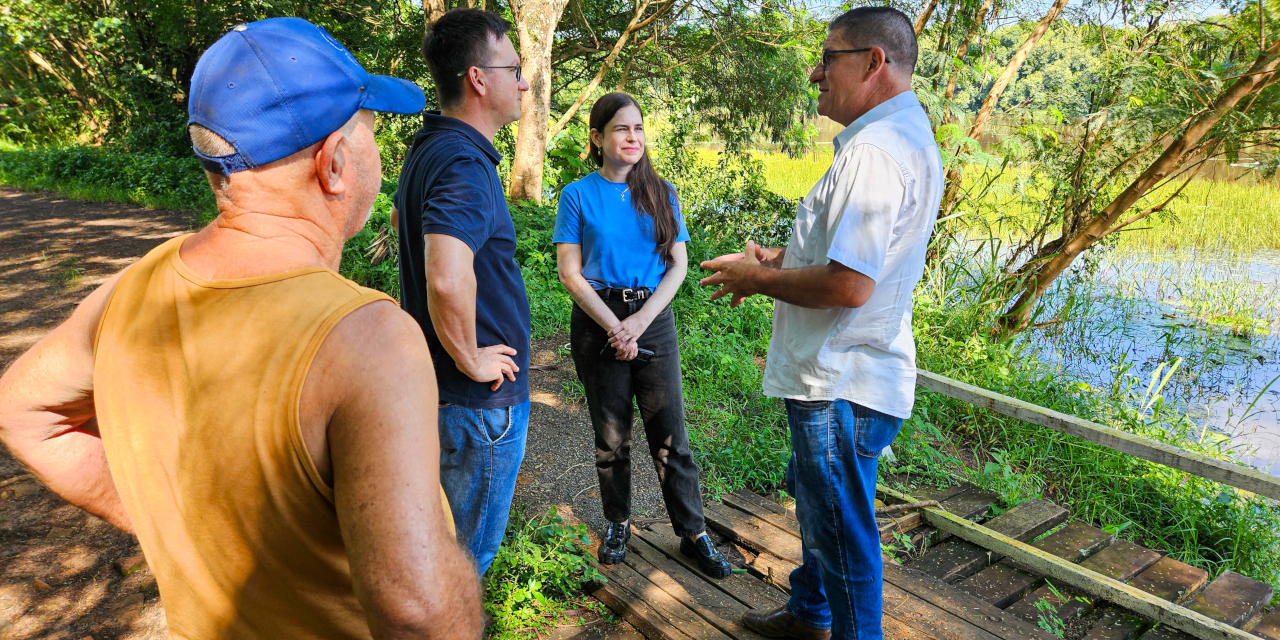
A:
(537, 576)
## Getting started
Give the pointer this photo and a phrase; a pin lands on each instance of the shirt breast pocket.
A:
(808, 245)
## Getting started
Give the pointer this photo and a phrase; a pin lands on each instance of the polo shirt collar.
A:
(903, 100)
(433, 120)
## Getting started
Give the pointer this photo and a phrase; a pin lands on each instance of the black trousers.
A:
(610, 385)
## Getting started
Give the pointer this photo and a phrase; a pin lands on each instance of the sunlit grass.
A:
(1238, 217)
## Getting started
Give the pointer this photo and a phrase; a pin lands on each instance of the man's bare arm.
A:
(451, 299)
(412, 578)
(47, 417)
(829, 286)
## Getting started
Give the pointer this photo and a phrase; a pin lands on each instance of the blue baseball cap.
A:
(274, 87)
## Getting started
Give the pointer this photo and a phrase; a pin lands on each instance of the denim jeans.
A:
(832, 475)
(610, 385)
(480, 455)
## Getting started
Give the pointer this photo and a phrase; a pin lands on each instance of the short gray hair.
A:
(883, 27)
(208, 143)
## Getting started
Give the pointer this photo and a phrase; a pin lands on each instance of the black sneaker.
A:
(614, 547)
(709, 558)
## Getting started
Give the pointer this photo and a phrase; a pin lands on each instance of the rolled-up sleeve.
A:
(867, 205)
(461, 203)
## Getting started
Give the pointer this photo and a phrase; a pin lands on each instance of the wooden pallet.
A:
(953, 590)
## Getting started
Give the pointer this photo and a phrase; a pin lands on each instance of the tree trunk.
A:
(433, 9)
(963, 49)
(924, 16)
(1018, 315)
(1011, 69)
(536, 22)
(952, 193)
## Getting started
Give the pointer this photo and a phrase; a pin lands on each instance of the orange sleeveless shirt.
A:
(196, 386)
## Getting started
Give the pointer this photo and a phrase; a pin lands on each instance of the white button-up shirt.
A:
(873, 211)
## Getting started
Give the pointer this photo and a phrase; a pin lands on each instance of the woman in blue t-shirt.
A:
(621, 254)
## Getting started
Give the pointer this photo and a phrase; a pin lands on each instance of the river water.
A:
(1219, 315)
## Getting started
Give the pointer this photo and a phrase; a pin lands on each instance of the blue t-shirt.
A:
(450, 186)
(618, 249)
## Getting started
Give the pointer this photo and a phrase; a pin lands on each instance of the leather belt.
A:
(625, 295)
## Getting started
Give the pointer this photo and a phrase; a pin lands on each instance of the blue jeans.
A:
(480, 455)
(832, 475)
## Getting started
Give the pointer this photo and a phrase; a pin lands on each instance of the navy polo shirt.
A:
(450, 186)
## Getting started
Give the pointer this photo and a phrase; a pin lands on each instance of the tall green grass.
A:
(1239, 216)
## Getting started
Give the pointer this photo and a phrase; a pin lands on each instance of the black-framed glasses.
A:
(828, 53)
(519, 73)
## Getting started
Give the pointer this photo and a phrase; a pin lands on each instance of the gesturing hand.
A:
(733, 273)
(491, 364)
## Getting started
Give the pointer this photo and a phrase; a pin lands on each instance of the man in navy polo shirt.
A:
(458, 274)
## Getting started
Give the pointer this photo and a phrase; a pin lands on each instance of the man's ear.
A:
(330, 161)
(877, 60)
(477, 81)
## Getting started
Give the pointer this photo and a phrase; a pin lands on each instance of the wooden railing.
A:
(1077, 576)
(1168, 455)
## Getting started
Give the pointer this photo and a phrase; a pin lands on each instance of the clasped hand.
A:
(733, 273)
(625, 335)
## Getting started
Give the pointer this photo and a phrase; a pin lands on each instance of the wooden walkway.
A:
(947, 588)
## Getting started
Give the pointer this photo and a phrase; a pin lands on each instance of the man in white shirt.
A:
(842, 354)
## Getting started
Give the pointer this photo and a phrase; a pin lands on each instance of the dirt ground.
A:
(62, 571)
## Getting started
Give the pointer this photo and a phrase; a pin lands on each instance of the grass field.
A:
(1238, 217)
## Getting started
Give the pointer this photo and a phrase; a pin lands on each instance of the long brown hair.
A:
(650, 194)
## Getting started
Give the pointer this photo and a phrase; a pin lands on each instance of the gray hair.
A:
(208, 143)
(883, 27)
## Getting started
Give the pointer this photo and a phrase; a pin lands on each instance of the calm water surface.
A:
(1220, 315)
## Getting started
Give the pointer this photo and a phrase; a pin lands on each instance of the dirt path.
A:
(58, 573)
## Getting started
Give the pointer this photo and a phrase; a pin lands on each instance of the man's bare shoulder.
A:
(374, 336)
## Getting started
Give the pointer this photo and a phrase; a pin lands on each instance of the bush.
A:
(103, 175)
(537, 575)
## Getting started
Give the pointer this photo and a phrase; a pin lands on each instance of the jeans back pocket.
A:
(874, 431)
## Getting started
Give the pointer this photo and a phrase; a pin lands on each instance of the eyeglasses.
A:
(828, 53)
(519, 74)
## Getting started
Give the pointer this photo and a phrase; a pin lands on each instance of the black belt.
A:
(625, 295)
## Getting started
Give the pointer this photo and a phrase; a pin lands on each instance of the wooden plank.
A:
(1115, 625)
(955, 560)
(1165, 633)
(1000, 584)
(1090, 582)
(773, 570)
(1075, 542)
(891, 524)
(745, 589)
(952, 600)
(971, 504)
(1228, 473)
(1067, 608)
(678, 614)
(1122, 560)
(634, 609)
(1172, 580)
(914, 612)
(690, 589)
(753, 531)
(1269, 626)
(759, 507)
(1232, 598)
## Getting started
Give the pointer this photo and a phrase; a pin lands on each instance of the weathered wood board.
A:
(749, 591)
(1000, 584)
(955, 560)
(1269, 626)
(1121, 560)
(1115, 624)
(1232, 598)
(1067, 607)
(1170, 579)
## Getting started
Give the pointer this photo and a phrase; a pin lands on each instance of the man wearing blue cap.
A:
(260, 422)
(458, 274)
